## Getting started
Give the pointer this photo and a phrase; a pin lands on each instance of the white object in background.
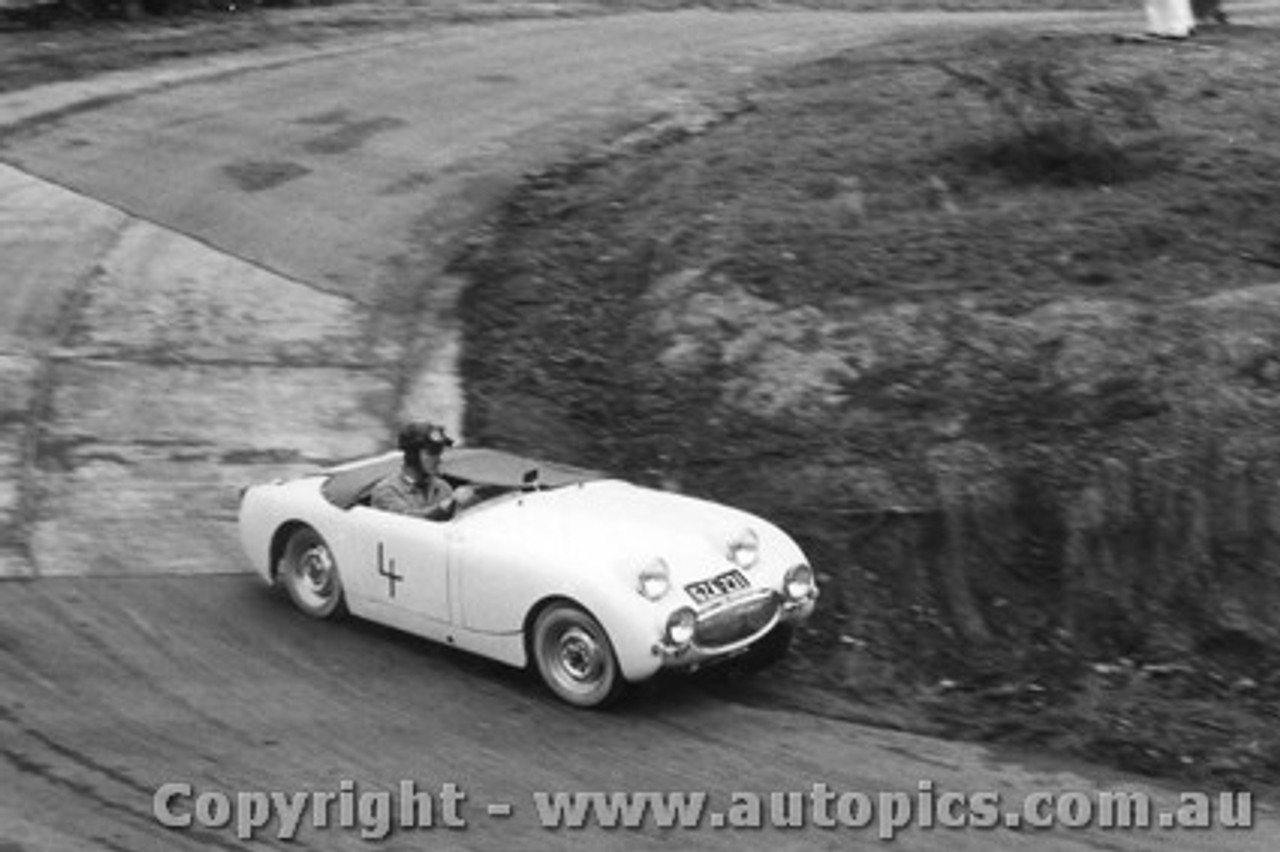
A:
(1170, 18)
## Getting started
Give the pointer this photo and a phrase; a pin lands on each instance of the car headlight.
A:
(681, 626)
(744, 548)
(654, 580)
(799, 583)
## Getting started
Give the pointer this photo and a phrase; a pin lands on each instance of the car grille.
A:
(735, 622)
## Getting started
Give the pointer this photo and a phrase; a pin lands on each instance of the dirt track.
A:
(113, 687)
(148, 368)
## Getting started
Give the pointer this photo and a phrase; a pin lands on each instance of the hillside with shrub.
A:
(994, 327)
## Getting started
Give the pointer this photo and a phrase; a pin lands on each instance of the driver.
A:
(417, 488)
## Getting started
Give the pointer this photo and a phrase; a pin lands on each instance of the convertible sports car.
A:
(593, 581)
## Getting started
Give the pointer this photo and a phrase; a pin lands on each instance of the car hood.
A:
(625, 525)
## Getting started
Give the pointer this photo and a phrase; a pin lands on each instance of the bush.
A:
(1048, 125)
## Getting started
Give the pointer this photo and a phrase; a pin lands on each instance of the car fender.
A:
(269, 510)
(633, 631)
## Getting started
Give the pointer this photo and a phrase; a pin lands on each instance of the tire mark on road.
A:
(84, 761)
(261, 175)
(42, 402)
(26, 765)
(351, 135)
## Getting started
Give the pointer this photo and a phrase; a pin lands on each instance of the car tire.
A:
(309, 573)
(574, 657)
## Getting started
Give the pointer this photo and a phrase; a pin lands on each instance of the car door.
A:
(408, 561)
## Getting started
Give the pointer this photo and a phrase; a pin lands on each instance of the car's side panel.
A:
(405, 619)
(403, 561)
(505, 648)
(509, 560)
(496, 586)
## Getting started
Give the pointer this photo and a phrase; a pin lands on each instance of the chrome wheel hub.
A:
(316, 569)
(580, 655)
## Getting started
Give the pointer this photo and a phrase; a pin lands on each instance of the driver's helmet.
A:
(424, 436)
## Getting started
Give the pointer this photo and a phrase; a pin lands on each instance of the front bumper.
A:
(732, 626)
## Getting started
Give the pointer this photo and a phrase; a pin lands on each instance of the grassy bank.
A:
(994, 328)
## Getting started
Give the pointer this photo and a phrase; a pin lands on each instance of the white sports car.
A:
(593, 581)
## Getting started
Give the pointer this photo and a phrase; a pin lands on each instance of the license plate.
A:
(718, 586)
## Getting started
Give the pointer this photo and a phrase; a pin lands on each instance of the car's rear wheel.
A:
(574, 656)
(309, 573)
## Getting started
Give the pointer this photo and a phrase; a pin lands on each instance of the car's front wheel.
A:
(309, 573)
(574, 656)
